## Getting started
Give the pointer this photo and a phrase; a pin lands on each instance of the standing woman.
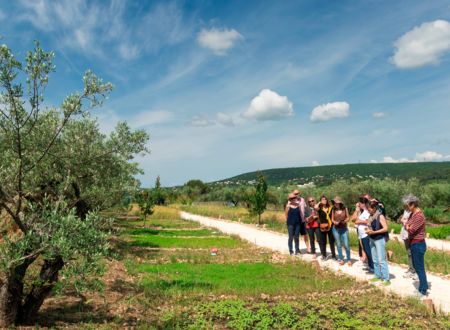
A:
(312, 225)
(377, 232)
(324, 210)
(416, 230)
(339, 218)
(293, 220)
(361, 217)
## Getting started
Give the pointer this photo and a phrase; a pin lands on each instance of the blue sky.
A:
(226, 87)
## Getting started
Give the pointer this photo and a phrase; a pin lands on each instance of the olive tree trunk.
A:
(11, 293)
(35, 298)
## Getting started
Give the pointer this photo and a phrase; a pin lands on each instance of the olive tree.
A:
(56, 170)
(258, 201)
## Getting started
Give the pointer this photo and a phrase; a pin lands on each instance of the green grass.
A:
(189, 289)
(437, 232)
(356, 311)
(239, 279)
(190, 243)
(163, 233)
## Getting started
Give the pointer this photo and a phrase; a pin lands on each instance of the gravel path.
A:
(439, 291)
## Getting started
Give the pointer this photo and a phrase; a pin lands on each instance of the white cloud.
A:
(218, 40)
(389, 159)
(423, 45)
(202, 121)
(315, 163)
(378, 115)
(268, 105)
(325, 112)
(225, 119)
(427, 156)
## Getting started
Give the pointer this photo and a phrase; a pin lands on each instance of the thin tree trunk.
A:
(11, 293)
(47, 279)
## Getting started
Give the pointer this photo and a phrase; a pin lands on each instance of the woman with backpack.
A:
(324, 210)
(339, 218)
(377, 231)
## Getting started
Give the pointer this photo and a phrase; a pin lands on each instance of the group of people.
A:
(327, 222)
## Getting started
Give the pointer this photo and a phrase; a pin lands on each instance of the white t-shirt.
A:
(404, 233)
(362, 228)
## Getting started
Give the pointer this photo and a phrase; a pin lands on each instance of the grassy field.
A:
(243, 287)
(435, 261)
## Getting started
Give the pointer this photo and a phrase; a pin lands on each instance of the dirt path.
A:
(439, 291)
(435, 244)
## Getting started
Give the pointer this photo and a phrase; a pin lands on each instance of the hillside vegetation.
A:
(424, 171)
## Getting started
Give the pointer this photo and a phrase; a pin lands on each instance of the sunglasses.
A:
(311, 201)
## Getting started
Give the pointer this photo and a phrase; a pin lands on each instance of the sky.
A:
(227, 87)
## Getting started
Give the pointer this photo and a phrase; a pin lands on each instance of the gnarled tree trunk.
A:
(11, 293)
(33, 301)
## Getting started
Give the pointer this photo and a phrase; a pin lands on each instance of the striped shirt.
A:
(416, 231)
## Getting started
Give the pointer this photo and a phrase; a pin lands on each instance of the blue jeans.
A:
(366, 247)
(294, 234)
(380, 265)
(341, 239)
(418, 254)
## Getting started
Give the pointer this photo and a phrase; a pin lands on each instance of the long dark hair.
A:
(320, 203)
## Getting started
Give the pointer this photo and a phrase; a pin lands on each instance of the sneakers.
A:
(341, 262)
(375, 279)
(386, 283)
(421, 295)
(410, 274)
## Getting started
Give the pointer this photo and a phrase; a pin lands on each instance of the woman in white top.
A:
(361, 217)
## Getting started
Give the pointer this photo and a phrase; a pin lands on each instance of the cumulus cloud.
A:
(315, 163)
(430, 156)
(325, 112)
(224, 119)
(378, 115)
(427, 156)
(218, 40)
(423, 45)
(269, 105)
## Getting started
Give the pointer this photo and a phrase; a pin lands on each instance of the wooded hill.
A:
(424, 171)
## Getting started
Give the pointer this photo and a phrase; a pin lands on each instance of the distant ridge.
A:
(423, 171)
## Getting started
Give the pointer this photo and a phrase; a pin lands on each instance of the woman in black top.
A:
(324, 210)
(293, 220)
